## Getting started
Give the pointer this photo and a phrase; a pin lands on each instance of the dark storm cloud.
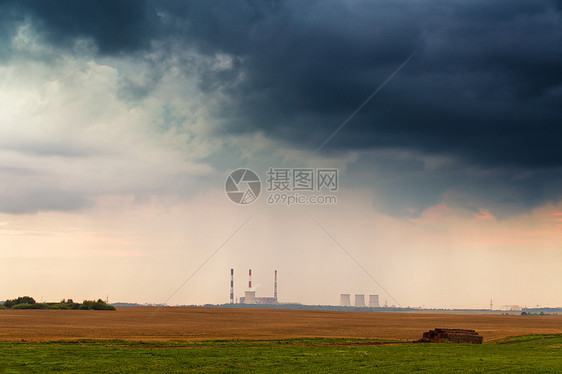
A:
(115, 26)
(485, 86)
(486, 83)
(406, 186)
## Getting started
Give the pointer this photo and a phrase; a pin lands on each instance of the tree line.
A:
(26, 302)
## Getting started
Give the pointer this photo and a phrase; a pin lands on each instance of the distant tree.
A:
(95, 305)
(20, 300)
(30, 306)
(27, 302)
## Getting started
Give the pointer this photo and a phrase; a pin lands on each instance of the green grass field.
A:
(528, 354)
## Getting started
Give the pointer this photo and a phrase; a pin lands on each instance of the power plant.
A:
(250, 295)
(345, 300)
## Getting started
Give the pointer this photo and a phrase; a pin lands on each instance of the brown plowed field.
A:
(182, 323)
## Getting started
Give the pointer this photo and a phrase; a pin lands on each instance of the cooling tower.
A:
(359, 300)
(345, 299)
(373, 301)
(250, 297)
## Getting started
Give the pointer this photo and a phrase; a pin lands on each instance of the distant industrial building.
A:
(266, 300)
(250, 298)
(374, 301)
(250, 295)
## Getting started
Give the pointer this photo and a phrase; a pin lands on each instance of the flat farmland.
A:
(193, 324)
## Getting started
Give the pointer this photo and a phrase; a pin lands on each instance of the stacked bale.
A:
(451, 336)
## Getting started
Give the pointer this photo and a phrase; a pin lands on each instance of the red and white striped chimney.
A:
(250, 280)
(232, 286)
(275, 287)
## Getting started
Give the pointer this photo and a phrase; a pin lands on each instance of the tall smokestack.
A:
(232, 286)
(250, 279)
(275, 287)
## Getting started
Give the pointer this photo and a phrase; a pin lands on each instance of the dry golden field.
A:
(187, 323)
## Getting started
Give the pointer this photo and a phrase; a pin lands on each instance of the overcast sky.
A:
(121, 120)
